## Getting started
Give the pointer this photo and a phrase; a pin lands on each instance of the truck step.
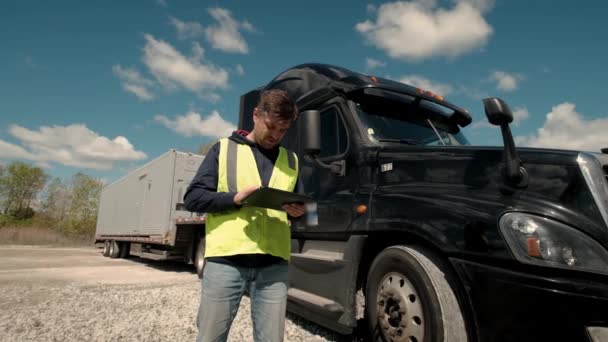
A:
(310, 299)
(155, 256)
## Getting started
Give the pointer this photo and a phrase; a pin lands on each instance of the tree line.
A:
(28, 195)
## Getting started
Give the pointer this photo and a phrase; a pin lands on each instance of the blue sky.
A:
(103, 87)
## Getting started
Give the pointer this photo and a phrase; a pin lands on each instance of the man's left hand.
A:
(294, 209)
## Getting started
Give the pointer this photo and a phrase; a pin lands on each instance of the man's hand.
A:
(294, 209)
(241, 195)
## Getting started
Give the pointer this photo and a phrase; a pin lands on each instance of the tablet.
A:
(272, 198)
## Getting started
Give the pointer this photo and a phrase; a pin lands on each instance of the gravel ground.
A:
(68, 294)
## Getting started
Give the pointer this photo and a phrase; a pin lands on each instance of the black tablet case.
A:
(273, 198)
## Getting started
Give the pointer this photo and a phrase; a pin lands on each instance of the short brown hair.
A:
(278, 103)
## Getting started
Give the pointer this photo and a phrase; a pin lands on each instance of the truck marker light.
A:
(374, 79)
(533, 247)
(361, 209)
(429, 94)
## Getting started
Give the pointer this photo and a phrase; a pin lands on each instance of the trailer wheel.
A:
(410, 297)
(114, 249)
(125, 248)
(199, 259)
(106, 248)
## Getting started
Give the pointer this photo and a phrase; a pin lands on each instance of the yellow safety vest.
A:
(250, 230)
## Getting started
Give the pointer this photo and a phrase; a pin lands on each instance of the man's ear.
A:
(256, 114)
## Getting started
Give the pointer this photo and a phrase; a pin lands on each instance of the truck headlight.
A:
(541, 241)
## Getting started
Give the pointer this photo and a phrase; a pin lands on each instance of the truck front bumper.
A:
(511, 305)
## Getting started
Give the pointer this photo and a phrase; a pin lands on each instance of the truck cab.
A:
(423, 237)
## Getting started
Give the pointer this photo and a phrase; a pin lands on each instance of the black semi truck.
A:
(420, 236)
(445, 241)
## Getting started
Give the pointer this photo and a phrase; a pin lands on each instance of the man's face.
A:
(269, 129)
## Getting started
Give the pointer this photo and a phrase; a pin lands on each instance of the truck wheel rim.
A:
(399, 311)
(200, 259)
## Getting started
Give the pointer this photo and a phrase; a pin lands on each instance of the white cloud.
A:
(481, 5)
(421, 29)
(239, 70)
(192, 123)
(247, 26)
(520, 114)
(10, 151)
(426, 84)
(73, 145)
(565, 128)
(225, 35)
(197, 52)
(371, 63)
(506, 81)
(173, 70)
(187, 30)
(133, 82)
(211, 97)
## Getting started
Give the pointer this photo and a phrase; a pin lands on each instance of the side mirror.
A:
(497, 111)
(310, 125)
(499, 114)
(310, 131)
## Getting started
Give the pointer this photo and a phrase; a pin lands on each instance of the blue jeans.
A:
(223, 285)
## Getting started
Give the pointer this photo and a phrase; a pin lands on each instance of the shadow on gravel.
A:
(358, 336)
(164, 265)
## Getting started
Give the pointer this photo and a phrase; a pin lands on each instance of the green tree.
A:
(84, 201)
(2, 190)
(55, 201)
(20, 184)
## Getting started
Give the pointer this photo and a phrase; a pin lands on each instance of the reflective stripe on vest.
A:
(250, 230)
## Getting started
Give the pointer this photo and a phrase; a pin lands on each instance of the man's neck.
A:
(251, 137)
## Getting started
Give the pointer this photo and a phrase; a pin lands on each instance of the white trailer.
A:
(143, 213)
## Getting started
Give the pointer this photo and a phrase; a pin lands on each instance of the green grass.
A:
(36, 235)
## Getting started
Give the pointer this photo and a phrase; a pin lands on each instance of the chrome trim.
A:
(596, 180)
(598, 334)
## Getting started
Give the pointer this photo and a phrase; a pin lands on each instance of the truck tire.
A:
(199, 258)
(410, 297)
(125, 249)
(106, 248)
(114, 249)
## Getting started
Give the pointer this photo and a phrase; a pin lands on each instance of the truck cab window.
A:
(406, 124)
(333, 134)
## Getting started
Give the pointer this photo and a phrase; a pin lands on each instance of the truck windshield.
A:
(397, 124)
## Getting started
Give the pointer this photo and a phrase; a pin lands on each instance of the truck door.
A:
(332, 192)
(324, 257)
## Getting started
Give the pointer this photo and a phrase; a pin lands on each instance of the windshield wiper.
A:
(436, 132)
(401, 141)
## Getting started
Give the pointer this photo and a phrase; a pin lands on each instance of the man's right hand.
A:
(241, 195)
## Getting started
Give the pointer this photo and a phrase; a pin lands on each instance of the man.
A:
(247, 248)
